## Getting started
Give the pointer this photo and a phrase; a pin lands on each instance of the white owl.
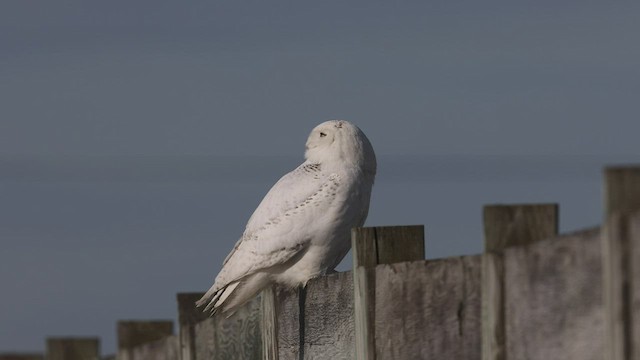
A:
(302, 227)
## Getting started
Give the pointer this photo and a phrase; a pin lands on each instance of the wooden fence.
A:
(533, 294)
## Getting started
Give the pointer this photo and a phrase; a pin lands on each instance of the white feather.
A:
(301, 229)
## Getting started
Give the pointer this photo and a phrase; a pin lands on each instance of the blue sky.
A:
(137, 138)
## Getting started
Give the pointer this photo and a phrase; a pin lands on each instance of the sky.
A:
(136, 138)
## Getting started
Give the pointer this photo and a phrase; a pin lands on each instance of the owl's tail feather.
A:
(233, 295)
(215, 297)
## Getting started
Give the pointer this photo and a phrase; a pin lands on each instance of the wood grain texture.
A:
(364, 312)
(315, 322)
(167, 348)
(505, 226)
(428, 309)
(328, 323)
(238, 337)
(269, 324)
(73, 348)
(554, 299)
(235, 337)
(387, 245)
(364, 250)
(135, 333)
(615, 281)
(399, 243)
(364, 247)
(511, 225)
(622, 199)
(493, 328)
(370, 247)
(288, 320)
(188, 316)
(132, 333)
(622, 190)
(205, 335)
(188, 313)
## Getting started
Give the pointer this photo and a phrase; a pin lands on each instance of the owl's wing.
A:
(292, 188)
(278, 231)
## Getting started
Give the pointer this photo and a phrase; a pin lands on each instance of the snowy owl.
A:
(302, 227)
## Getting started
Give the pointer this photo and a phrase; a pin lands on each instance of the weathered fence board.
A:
(329, 306)
(428, 309)
(73, 348)
(135, 333)
(287, 317)
(513, 225)
(505, 226)
(205, 339)
(371, 247)
(304, 315)
(615, 252)
(387, 245)
(269, 324)
(553, 298)
(188, 316)
(622, 189)
(235, 337)
(167, 348)
(622, 199)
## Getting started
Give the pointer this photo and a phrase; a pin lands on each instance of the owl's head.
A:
(339, 141)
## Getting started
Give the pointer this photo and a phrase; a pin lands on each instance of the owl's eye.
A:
(322, 134)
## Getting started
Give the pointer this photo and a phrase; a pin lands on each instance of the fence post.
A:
(134, 333)
(620, 246)
(372, 246)
(504, 226)
(269, 324)
(73, 348)
(231, 336)
(188, 317)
